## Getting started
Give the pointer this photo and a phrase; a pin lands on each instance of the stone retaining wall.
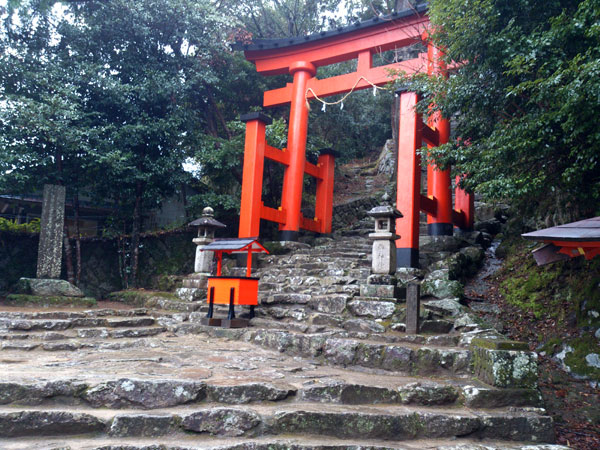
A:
(160, 254)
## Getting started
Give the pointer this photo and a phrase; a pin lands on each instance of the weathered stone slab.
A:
(374, 426)
(149, 394)
(222, 421)
(372, 309)
(51, 232)
(427, 394)
(248, 393)
(442, 288)
(34, 394)
(445, 306)
(362, 325)
(145, 425)
(340, 351)
(47, 423)
(349, 394)
(524, 428)
(136, 332)
(329, 304)
(480, 397)
(379, 290)
(504, 368)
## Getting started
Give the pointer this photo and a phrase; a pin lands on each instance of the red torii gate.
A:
(300, 57)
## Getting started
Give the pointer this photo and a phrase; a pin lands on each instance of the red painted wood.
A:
(408, 196)
(252, 181)
(387, 36)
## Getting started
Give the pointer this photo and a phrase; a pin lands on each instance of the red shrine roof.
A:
(587, 230)
(567, 241)
(268, 44)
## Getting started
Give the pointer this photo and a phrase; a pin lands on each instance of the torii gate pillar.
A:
(293, 178)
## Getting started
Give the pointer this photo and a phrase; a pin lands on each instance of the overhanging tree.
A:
(524, 101)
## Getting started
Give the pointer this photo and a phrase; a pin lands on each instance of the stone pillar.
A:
(51, 232)
(413, 306)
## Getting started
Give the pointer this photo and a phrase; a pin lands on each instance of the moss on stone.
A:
(43, 300)
(583, 346)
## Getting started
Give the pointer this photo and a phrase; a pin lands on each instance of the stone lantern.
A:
(384, 237)
(207, 226)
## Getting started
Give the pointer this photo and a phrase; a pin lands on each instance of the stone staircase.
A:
(188, 386)
(324, 365)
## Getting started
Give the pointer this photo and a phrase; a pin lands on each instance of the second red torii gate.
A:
(300, 57)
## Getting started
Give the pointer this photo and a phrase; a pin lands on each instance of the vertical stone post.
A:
(413, 305)
(51, 232)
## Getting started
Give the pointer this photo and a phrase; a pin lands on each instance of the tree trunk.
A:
(77, 238)
(135, 234)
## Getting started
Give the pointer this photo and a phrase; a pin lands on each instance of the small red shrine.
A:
(231, 290)
(566, 241)
(300, 57)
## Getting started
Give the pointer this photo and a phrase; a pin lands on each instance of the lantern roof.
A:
(384, 211)
(207, 222)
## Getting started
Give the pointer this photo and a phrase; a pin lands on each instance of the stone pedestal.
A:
(51, 232)
(384, 253)
(204, 260)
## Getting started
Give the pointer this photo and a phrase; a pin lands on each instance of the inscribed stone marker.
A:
(51, 232)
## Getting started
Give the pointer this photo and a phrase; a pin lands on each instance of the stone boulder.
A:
(48, 287)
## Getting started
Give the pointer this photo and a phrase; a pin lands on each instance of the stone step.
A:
(333, 349)
(307, 442)
(342, 422)
(127, 393)
(126, 338)
(308, 288)
(64, 315)
(33, 325)
(83, 333)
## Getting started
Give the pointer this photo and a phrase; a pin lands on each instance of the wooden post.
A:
(252, 175)
(413, 305)
(293, 178)
(408, 193)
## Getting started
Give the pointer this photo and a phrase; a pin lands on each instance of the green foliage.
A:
(49, 300)
(523, 100)
(13, 227)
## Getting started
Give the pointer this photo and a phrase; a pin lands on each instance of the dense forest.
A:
(112, 98)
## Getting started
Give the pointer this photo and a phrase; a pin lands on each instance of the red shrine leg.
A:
(252, 181)
(464, 204)
(408, 196)
(324, 200)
